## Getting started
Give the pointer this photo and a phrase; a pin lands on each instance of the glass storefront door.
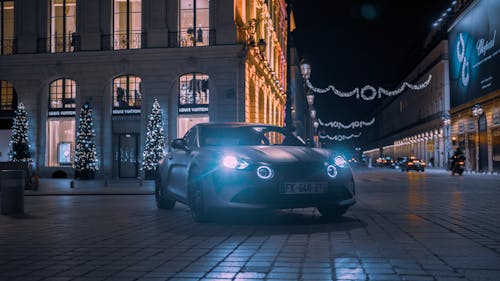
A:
(128, 156)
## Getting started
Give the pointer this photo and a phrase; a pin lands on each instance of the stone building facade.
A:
(204, 60)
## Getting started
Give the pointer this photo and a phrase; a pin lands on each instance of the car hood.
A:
(279, 154)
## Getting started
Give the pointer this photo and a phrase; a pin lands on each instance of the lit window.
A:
(62, 25)
(62, 94)
(6, 27)
(60, 141)
(193, 101)
(193, 89)
(127, 24)
(61, 122)
(194, 23)
(127, 95)
(8, 97)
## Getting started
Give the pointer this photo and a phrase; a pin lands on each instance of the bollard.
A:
(12, 184)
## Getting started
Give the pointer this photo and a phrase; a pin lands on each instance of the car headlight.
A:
(233, 162)
(331, 171)
(265, 172)
(340, 161)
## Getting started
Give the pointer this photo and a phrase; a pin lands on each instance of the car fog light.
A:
(265, 172)
(331, 171)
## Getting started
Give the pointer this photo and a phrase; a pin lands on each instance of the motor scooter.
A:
(457, 167)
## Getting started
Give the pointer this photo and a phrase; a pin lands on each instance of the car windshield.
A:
(247, 135)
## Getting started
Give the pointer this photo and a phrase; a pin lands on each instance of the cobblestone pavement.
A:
(405, 226)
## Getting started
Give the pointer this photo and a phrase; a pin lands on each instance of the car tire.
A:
(163, 201)
(199, 211)
(332, 212)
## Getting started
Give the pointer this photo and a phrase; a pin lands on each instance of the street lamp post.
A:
(477, 111)
(446, 122)
(305, 71)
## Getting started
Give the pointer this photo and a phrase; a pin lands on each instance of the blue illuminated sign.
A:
(474, 53)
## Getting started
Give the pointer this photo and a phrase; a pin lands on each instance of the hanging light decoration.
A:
(339, 137)
(369, 92)
(340, 125)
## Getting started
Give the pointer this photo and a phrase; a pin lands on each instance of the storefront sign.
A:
(475, 53)
(193, 109)
(129, 111)
(61, 113)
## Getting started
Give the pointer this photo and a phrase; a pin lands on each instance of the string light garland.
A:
(340, 125)
(369, 92)
(339, 137)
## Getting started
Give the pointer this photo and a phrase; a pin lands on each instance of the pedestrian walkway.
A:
(49, 186)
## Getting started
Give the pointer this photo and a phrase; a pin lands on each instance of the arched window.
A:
(127, 24)
(127, 95)
(193, 101)
(62, 94)
(194, 23)
(62, 25)
(61, 123)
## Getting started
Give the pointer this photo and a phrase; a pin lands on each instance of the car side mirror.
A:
(180, 144)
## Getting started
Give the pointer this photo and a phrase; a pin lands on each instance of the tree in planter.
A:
(85, 162)
(19, 140)
(155, 141)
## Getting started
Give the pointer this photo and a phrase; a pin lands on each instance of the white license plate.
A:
(304, 188)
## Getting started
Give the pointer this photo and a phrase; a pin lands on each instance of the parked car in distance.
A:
(251, 166)
(413, 164)
(397, 164)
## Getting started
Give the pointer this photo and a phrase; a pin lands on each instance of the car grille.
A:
(300, 171)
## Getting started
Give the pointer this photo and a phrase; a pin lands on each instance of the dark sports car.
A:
(251, 166)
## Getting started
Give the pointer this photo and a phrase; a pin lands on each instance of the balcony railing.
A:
(59, 44)
(119, 41)
(191, 38)
(7, 46)
(124, 41)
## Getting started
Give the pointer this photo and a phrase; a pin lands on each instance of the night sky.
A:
(352, 43)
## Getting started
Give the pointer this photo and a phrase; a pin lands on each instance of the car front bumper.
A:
(243, 189)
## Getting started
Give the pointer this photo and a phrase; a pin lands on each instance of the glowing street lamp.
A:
(447, 123)
(305, 71)
(477, 111)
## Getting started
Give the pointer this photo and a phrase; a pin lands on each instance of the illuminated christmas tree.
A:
(85, 163)
(155, 140)
(19, 140)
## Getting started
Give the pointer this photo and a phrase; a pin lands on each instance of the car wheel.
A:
(163, 201)
(460, 173)
(197, 204)
(332, 212)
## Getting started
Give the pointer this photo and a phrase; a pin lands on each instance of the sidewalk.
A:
(49, 186)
